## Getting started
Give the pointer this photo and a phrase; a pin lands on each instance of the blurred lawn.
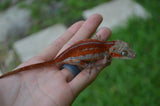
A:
(131, 82)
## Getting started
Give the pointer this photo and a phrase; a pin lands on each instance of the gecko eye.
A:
(124, 53)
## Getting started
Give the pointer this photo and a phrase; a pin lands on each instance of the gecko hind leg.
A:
(107, 58)
(91, 66)
(106, 61)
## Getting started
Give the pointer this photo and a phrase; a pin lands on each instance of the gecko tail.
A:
(26, 68)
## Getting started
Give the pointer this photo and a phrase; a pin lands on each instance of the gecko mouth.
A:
(131, 54)
(134, 56)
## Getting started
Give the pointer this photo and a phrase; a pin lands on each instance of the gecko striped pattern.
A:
(84, 53)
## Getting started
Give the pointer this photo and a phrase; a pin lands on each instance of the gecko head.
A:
(121, 50)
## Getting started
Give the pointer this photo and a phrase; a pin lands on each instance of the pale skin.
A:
(49, 86)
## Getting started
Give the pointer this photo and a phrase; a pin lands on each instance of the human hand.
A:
(48, 86)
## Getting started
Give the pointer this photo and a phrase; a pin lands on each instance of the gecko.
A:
(84, 54)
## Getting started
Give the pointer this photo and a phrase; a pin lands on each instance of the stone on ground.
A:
(32, 45)
(116, 12)
(13, 22)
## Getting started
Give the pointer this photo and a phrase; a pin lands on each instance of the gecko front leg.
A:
(107, 58)
(106, 61)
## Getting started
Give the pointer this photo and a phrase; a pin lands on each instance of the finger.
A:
(86, 30)
(85, 77)
(51, 51)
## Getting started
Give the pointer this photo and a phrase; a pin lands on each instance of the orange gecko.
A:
(84, 53)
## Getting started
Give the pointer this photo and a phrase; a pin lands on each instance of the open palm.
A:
(49, 86)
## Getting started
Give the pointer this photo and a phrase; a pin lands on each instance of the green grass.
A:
(131, 82)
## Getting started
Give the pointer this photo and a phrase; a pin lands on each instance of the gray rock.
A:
(32, 45)
(117, 12)
(15, 21)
